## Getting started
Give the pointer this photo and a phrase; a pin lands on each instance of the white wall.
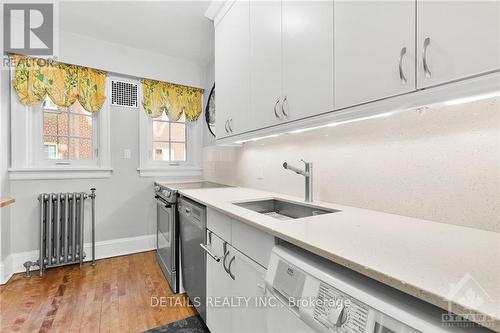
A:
(442, 164)
(90, 52)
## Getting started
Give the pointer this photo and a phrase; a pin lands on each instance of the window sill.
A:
(59, 173)
(170, 171)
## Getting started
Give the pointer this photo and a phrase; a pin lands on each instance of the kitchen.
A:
(351, 155)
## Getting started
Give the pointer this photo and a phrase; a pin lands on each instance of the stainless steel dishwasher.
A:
(192, 222)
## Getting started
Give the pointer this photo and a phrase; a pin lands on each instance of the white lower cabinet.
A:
(248, 292)
(218, 288)
(235, 291)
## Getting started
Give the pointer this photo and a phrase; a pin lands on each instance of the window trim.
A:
(25, 150)
(148, 167)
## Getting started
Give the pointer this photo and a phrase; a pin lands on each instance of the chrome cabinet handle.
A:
(229, 124)
(229, 268)
(276, 111)
(225, 126)
(283, 107)
(401, 73)
(204, 247)
(427, 72)
(224, 262)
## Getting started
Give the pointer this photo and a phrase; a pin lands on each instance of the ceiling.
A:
(174, 28)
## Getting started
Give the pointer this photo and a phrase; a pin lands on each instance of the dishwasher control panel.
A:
(339, 312)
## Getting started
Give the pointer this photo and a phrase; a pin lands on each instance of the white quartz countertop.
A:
(439, 263)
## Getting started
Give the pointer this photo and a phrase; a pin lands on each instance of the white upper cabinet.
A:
(456, 39)
(291, 57)
(374, 50)
(265, 62)
(280, 61)
(232, 73)
(307, 37)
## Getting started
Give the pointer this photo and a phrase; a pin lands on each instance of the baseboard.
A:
(103, 249)
(6, 269)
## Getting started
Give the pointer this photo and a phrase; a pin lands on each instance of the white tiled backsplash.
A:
(440, 164)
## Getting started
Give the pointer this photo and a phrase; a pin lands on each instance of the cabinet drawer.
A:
(252, 242)
(219, 224)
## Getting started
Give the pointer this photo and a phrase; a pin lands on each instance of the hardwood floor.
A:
(114, 296)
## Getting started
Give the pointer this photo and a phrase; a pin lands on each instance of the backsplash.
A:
(440, 164)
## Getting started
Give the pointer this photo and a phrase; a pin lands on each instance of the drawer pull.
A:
(276, 111)
(427, 71)
(285, 113)
(224, 261)
(229, 268)
(401, 72)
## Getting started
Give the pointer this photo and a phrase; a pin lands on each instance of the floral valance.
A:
(173, 99)
(35, 78)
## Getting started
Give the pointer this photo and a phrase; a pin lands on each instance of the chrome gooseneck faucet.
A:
(307, 173)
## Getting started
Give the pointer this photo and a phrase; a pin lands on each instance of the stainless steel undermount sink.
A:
(284, 210)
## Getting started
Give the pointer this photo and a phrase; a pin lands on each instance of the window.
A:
(169, 139)
(67, 133)
(50, 142)
(169, 148)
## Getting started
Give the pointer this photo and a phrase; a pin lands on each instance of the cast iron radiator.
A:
(62, 230)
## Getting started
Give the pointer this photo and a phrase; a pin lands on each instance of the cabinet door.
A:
(374, 50)
(463, 39)
(307, 58)
(232, 70)
(265, 62)
(218, 288)
(248, 290)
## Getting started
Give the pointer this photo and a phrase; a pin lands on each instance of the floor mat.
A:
(192, 324)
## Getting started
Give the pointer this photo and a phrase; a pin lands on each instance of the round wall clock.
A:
(210, 111)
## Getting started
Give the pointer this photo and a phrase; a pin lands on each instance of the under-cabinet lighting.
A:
(472, 98)
(256, 139)
(381, 115)
(302, 130)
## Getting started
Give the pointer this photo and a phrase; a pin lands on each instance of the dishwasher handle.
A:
(204, 247)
